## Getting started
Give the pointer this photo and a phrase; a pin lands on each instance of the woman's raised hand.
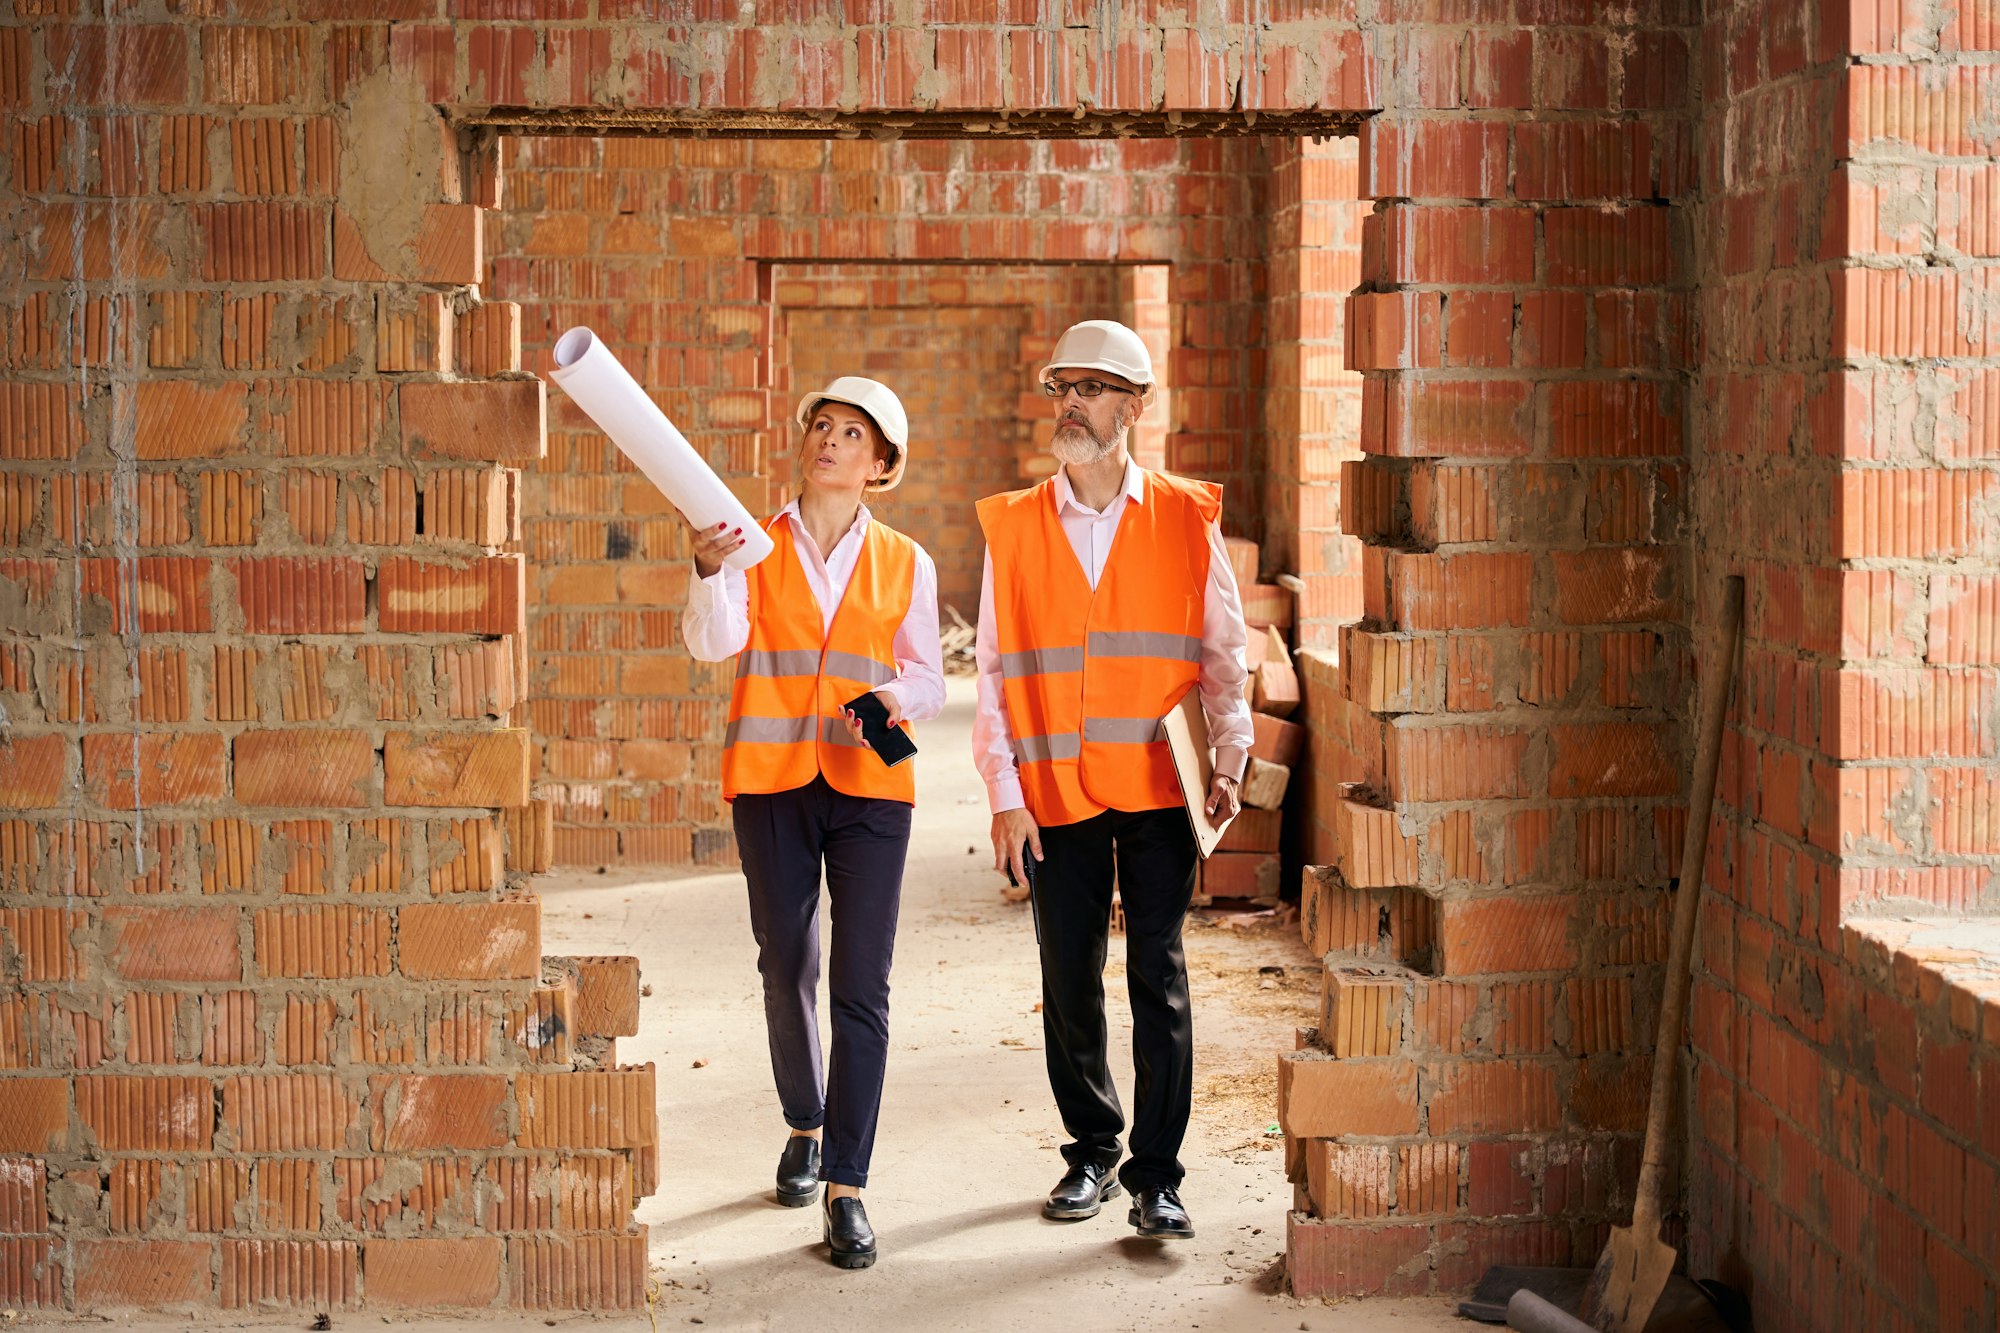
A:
(711, 545)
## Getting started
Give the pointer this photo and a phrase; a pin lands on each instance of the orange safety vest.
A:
(1089, 674)
(794, 673)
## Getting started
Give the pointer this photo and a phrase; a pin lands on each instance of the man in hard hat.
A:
(843, 606)
(1107, 595)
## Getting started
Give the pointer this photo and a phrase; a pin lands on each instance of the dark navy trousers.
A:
(786, 839)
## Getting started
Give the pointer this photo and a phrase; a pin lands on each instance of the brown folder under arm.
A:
(1186, 729)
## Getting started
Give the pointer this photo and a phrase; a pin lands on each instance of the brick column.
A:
(1509, 708)
(1312, 401)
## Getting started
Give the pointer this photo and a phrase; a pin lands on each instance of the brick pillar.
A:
(1509, 708)
(1312, 408)
(276, 1027)
(1143, 307)
(1312, 402)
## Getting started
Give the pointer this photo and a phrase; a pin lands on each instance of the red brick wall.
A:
(692, 257)
(275, 1026)
(259, 465)
(1844, 1081)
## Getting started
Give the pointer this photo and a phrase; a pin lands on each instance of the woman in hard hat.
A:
(843, 606)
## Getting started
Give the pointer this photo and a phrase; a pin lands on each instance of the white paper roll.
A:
(596, 381)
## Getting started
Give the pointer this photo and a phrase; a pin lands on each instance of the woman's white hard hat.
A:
(1101, 344)
(883, 407)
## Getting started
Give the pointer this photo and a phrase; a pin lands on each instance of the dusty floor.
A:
(968, 1139)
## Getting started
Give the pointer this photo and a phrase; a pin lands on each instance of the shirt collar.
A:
(791, 511)
(1133, 488)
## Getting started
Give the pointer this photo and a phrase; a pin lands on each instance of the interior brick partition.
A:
(258, 486)
(1846, 1092)
(276, 1027)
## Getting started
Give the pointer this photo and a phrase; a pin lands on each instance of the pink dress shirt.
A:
(1220, 675)
(716, 623)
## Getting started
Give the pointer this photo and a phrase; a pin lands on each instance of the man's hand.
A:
(1224, 799)
(1011, 830)
(711, 545)
(853, 719)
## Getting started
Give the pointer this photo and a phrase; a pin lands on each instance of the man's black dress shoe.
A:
(1079, 1193)
(848, 1235)
(798, 1171)
(1157, 1212)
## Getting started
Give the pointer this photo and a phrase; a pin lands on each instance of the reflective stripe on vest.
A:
(1088, 674)
(795, 672)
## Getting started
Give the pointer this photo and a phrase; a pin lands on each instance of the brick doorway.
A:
(704, 260)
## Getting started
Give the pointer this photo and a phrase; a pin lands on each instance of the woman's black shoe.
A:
(848, 1235)
(798, 1171)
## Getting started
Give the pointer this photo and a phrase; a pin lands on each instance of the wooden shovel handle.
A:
(1687, 898)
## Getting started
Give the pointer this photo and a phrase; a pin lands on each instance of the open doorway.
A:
(709, 262)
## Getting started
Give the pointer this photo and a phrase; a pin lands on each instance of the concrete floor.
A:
(968, 1141)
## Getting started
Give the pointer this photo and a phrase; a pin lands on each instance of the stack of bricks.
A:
(694, 258)
(1846, 1013)
(275, 1028)
(1497, 764)
(1244, 869)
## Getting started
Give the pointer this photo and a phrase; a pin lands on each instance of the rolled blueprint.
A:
(593, 378)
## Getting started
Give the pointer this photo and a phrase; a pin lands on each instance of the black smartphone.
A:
(892, 744)
(1027, 863)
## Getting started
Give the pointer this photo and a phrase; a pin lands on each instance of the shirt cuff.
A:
(894, 687)
(1230, 761)
(1004, 794)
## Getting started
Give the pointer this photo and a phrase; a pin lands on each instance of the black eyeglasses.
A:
(1084, 388)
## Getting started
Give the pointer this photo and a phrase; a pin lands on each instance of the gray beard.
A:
(1080, 446)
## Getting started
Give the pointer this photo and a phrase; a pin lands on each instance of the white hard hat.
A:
(883, 407)
(1101, 344)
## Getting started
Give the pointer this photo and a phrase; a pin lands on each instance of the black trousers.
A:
(1155, 856)
(784, 839)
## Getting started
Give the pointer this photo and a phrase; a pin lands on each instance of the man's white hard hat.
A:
(1101, 344)
(883, 407)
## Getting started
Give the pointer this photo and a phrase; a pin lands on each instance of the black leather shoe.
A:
(1083, 1188)
(798, 1171)
(849, 1238)
(1157, 1212)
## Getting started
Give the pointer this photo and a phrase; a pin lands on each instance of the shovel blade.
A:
(1628, 1280)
